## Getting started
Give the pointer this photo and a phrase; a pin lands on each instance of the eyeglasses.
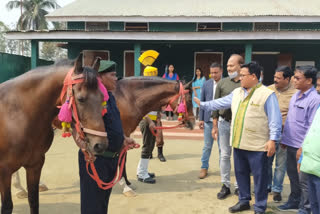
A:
(242, 76)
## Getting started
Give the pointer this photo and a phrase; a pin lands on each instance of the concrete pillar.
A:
(137, 66)
(34, 53)
(248, 52)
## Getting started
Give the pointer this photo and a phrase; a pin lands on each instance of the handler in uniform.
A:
(93, 199)
(147, 125)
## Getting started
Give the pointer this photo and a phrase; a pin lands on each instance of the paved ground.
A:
(177, 191)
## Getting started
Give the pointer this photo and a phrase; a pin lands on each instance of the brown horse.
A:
(27, 109)
(137, 96)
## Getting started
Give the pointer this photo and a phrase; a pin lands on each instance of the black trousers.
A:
(148, 139)
(246, 162)
(93, 199)
(295, 194)
(169, 113)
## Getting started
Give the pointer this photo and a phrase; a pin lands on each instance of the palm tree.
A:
(33, 17)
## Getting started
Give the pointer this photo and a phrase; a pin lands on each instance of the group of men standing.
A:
(260, 123)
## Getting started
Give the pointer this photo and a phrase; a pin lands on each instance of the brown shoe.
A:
(203, 173)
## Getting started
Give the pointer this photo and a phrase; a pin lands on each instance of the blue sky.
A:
(10, 18)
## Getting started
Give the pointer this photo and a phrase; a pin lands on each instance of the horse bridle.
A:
(80, 138)
(181, 101)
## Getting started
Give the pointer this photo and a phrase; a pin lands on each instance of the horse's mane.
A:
(153, 78)
(38, 74)
(147, 81)
(64, 62)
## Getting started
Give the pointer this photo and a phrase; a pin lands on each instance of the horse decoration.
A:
(68, 108)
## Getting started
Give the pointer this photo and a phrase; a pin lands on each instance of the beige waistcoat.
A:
(249, 127)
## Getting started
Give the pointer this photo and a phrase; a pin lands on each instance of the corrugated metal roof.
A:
(165, 36)
(189, 8)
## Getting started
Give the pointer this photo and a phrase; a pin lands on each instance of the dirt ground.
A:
(178, 190)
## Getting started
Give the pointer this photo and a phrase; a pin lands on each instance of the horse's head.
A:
(190, 120)
(183, 102)
(88, 101)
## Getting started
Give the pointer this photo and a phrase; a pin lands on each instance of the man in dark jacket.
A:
(94, 199)
(205, 119)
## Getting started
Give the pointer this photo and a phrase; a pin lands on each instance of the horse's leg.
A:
(128, 188)
(5, 188)
(33, 179)
(124, 173)
(128, 191)
(21, 192)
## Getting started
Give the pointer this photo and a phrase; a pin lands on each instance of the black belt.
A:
(109, 154)
(225, 119)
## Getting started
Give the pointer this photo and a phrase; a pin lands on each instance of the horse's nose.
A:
(100, 147)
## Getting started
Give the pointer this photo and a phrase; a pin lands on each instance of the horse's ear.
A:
(78, 68)
(188, 86)
(96, 64)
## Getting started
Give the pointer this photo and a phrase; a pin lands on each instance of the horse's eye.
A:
(81, 99)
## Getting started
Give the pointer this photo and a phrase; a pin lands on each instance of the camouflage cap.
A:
(107, 66)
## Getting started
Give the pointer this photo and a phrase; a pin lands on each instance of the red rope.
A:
(165, 127)
(181, 94)
(94, 175)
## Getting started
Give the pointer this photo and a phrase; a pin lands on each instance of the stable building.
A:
(187, 33)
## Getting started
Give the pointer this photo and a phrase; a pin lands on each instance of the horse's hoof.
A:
(130, 193)
(132, 186)
(22, 194)
(43, 188)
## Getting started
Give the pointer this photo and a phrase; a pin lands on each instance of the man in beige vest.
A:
(284, 90)
(255, 128)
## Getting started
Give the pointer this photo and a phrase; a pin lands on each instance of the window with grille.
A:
(136, 26)
(209, 26)
(266, 26)
(97, 26)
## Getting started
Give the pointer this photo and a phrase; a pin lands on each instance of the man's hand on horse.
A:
(196, 100)
(270, 147)
(129, 142)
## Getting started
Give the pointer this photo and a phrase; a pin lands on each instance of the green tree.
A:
(3, 29)
(34, 11)
(7, 46)
(50, 51)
